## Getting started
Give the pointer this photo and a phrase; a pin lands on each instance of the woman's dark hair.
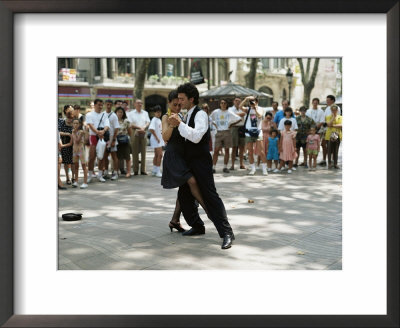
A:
(157, 108)
(303, 108)
(65, 108)
(268, 114)
(172, 95)
(289, 109)
(317, 99)
(123, 112)
(190, 90)
(288, 122)
(80, 123)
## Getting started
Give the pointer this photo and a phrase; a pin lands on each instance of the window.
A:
(123, 66)
(282, 63)
(97, 67)
(66, 63)
(276, 63)
(265, 63)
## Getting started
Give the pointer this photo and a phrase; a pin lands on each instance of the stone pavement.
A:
(295, 223)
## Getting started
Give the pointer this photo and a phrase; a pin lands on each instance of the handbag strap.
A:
(100, 121)
(248, 112)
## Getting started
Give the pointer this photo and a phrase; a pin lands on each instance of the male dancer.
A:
(198, 158)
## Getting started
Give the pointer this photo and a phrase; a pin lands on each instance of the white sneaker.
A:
(293, 168)
(101, 179)
(289, 171)
(252, 171)
(158, 174)
(283, 168)
(114, 176)
(89, 179)
(84, 186)
(265, 172)
(75, 184)
(275, 171)
(153, 174)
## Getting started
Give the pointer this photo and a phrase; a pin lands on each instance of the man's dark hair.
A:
(77, 107)
(287, 122)
(97, 101)
(190, 90)
(172, 95)
(303, 108)
(331, 98)
(109, 101)
(117, 101)
(288, 102)
(123, 112)
(157, 108)
(125, 102)
(317, 99)
(275, 102)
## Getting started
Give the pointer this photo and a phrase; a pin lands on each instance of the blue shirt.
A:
(279, 115)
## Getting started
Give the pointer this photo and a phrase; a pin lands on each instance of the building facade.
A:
(81, 80)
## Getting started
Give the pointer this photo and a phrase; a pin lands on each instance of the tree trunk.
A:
(143, 63)
(307, 80)
(251, 76)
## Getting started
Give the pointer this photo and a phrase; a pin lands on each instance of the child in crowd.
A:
(313, 144)
(272, 150)
(78, 152)
(287, 146)
(156, 141)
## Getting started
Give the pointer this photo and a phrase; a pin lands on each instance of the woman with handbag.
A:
(254, 134)
(333, 136)
(124, 147)
(65, 129)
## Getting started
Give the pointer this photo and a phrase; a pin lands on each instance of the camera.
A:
(252, 102)
(325, 125)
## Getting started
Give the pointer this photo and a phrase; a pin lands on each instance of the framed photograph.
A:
(35, 35)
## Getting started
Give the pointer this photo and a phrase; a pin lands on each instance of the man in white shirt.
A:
(238, 137)
(330, 100)
(197, 156)
(112, 143)
(317, 114)
(223, 119)
(98, 124)
(140, 121)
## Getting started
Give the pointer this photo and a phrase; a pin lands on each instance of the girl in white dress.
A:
(156, 141)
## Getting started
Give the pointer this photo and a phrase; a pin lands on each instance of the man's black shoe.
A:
(198, 230)
(143, 173)
(227, 243)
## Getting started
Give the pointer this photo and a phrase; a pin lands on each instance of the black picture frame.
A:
(7, 11)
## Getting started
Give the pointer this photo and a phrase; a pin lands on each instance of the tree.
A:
(251, 75)
(307, 80)
(143, 64)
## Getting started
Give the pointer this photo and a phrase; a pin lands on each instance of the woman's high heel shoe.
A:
(177, 226)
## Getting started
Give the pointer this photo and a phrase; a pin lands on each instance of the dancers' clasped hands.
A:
(174, 120)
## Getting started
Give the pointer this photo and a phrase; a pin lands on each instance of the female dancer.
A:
(175, 171)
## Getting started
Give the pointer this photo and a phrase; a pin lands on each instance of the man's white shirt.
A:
(317, 115)
(201, 126)
(95, 119)
(138, 119)
(237, 111)
(224, 118)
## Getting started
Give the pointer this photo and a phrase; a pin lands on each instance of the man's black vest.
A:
(201, 149)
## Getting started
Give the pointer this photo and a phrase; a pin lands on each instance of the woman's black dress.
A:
(175, 171)
(66, 153)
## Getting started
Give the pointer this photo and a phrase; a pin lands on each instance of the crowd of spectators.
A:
(245, 130)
